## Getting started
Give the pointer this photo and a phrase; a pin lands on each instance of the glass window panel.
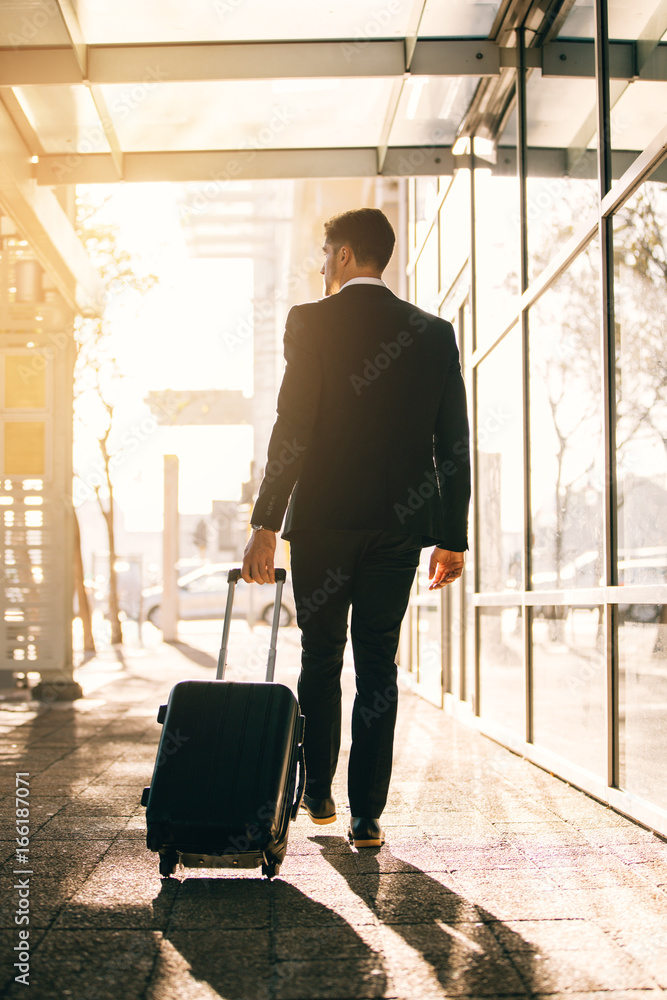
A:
(37, 23)
(454, 612)
(65, 118)
(580, 22)
(25, 382)
(639, 113)
(430, 110)
(426, 199)
(497, 250)
(555, 207)
(458, 19)
(24, 443)
(427, 635)
(645, 20)
(248, 114)
(501, 664)
(569, 683)
(642, 643)
(500, 467)
(626, 20)
(242, 20)
(247, 20)
(455, 229)
(567, 469)
(640, 290)
(561, 114)
(468, 675)
(426, 273)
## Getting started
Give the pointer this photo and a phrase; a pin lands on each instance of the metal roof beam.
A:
(220, 167)
(125, 64)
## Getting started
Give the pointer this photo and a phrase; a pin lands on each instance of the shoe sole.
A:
(322, 820)
(374, 842)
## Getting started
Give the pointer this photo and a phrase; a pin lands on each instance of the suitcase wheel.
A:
(270, 868)
(168, 863)
(161, 714)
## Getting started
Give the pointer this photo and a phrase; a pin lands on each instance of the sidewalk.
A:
(497, 880)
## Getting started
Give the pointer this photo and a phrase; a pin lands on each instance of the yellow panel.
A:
(25, 384)
(24, 448)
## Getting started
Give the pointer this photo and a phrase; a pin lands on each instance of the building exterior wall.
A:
(555, 640)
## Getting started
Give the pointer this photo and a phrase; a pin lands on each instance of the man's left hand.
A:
(258, 557)
(444, 567)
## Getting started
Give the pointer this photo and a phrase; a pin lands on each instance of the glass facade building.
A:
(546, 248)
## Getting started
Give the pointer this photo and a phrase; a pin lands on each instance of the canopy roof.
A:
(109, 90)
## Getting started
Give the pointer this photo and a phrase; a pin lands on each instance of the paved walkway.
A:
(497, 880)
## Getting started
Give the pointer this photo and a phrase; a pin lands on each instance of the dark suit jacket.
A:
(372, 428)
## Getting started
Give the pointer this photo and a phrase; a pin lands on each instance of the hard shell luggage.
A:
(224, 786)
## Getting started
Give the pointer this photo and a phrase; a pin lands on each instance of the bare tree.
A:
(97, 375)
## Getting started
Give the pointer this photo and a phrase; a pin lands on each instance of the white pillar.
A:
(169, 606)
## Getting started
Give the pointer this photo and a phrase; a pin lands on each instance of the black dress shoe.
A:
(365, 832)
(321, 811)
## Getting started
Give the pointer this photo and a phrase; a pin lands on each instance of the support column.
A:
(169, 607)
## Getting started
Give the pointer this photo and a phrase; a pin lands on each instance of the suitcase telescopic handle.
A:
(281, 576)
(233, 576)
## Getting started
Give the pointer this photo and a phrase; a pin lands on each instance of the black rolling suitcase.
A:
(224, 787)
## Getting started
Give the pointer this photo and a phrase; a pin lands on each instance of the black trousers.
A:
(371, 572)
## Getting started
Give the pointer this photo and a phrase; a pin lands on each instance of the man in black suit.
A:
(370, 450)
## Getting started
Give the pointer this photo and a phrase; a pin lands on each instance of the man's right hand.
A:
(445, 567)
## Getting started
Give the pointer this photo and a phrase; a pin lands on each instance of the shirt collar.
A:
(363, 281)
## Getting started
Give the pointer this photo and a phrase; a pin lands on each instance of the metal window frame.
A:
(612, 196)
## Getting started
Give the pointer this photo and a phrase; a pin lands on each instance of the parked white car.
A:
(202, 593)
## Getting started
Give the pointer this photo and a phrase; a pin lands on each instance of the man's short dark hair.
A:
(367, 231)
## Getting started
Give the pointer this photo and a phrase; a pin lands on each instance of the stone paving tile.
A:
(613, 906)
(574, 856)
(74, 966)
(652, 994)
(651, 850)
(358, 978)
(122, 892)
(223, 902)
(497, 880)
(193, 965)
(302, 944)
(80, 828)
(322, 900)
(570, 877)
(8, 941)
(629, 833)
(546, 935)
(654, 872)
(416, 898)
(647, 944)
(429, 961)
(587, 970)
(483, 859)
